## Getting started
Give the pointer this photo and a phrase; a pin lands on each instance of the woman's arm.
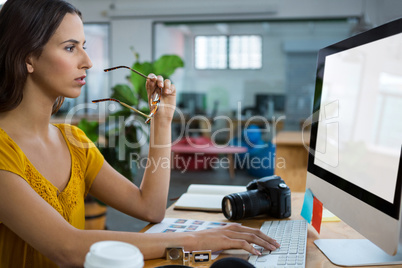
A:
(36, 222)
(155, 184)
(148, 202)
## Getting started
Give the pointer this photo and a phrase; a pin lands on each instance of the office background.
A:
(291, 32)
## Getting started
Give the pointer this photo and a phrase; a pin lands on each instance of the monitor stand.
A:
(356, 252)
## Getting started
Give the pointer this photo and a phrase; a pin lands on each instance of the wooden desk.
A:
(314, 256)
(292, 158)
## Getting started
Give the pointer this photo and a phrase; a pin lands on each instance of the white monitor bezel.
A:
(370, 212)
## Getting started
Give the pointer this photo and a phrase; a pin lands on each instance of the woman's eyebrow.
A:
(72, 41)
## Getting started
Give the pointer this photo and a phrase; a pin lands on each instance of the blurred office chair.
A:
(259, 160)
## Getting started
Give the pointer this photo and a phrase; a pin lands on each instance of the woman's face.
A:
(61, 68)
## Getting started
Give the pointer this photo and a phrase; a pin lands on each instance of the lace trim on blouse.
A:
(64, 202)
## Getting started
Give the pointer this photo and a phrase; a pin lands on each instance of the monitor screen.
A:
(262, 102)
(192, 103)
(356, 135)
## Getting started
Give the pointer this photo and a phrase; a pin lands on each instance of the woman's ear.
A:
(29, 64)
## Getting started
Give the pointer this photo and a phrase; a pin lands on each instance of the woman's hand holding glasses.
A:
(161, 96)
(167, 96)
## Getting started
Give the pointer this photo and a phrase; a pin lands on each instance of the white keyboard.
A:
(292, 236)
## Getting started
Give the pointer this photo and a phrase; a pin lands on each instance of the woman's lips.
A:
(81, 80)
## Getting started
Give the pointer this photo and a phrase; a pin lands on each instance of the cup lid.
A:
(105, 254)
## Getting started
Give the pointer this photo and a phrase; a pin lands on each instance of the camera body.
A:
(268, 195)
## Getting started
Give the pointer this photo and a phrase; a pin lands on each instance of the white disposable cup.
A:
(116, 254)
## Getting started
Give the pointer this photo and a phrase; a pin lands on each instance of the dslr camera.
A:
(269, 195)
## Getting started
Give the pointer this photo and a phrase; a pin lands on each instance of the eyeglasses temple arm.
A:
(118, 67)
(128, 106)
(124, 104)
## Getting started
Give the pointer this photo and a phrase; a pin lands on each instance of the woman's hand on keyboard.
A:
(234, 236)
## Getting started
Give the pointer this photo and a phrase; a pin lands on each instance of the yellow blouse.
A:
(86, 162)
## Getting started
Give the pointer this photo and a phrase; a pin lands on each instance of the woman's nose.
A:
(86, 61)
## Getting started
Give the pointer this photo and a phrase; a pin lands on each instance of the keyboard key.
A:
(292, 235)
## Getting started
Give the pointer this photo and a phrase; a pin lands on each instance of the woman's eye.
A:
(70, 48)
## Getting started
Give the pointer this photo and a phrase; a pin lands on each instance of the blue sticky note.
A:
(307, 209)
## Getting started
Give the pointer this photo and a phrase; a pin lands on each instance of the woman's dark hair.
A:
(25, 27)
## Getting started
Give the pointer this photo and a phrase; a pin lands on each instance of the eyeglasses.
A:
(154, 100)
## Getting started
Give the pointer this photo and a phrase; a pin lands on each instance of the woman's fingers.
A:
(158, 82)
(243, 244)
(151, 83)
(268, 244)
(173, 90)
(167, 88)
(256, 232)
(251, 235)
(240, 237)
(154, 81)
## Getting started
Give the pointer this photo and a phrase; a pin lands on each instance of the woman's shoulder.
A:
(12, 157)
(7, 145)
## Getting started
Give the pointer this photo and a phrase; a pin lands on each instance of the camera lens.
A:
(227, 207)
(245, 204)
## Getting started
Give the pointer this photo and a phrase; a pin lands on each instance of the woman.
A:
(46, 170)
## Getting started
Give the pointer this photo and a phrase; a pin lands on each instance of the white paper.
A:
(206, 197)
(175, 225)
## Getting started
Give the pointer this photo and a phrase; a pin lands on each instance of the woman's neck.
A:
(29, 116)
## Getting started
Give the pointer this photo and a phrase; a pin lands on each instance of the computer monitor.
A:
(355, 166)
(192, 103)
(263, 101)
